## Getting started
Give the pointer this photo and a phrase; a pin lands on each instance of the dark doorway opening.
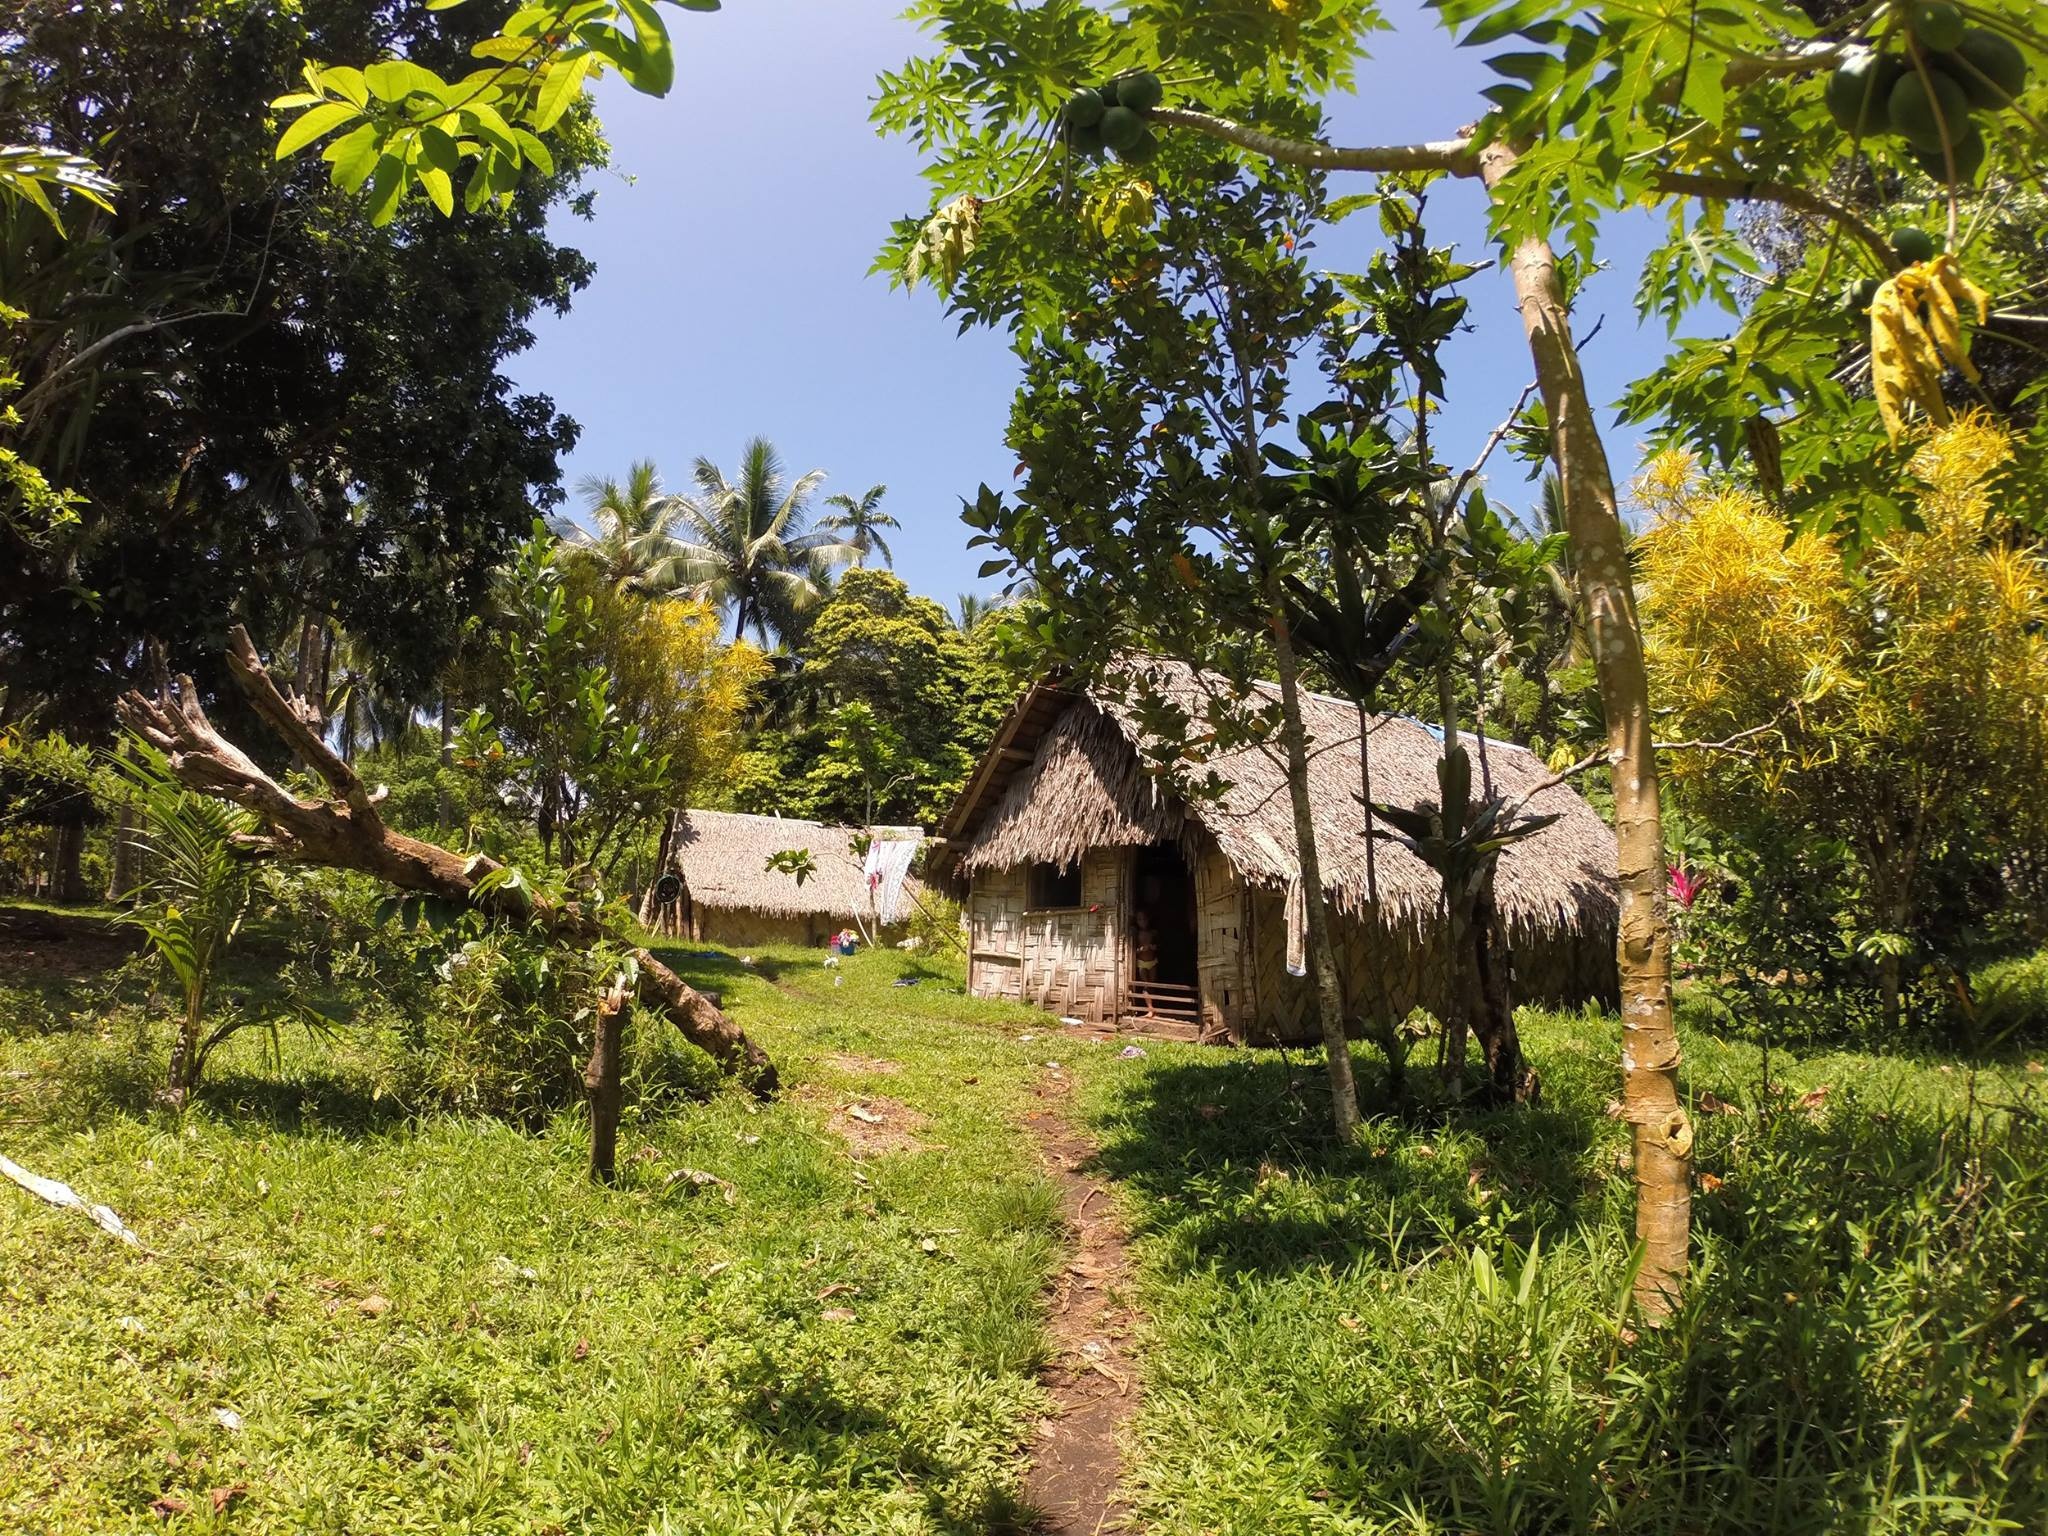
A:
(1163, 916)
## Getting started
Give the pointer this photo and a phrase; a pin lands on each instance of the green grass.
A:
(553, 1357)
(1428, 1333)
(1424, 1333)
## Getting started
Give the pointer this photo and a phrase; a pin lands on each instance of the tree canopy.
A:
(269, 407)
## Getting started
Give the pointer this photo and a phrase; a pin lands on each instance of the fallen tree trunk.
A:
(347, 832)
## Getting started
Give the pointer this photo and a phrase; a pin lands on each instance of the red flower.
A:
(1685, 888)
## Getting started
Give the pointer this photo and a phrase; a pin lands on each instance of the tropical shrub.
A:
(505, 1029)
(1876, 728)
(2011, 998)
(190, 905)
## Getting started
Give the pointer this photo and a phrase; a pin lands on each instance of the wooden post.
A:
(601, 1082)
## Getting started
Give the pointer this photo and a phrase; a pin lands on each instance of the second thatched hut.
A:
(1093, 889)
(722, 888)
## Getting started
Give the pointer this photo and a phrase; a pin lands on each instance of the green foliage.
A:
(405, 129)
(884, 716)
(507, 1028)
(556, 741)
(30, 172)
(936, 926)
(322, 403)
(1432, 1331)
(750, 546)
(2011, 998)
(191, 904)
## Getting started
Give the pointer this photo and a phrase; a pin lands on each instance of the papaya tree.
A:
(1599, 107)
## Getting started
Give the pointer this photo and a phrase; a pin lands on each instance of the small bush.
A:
(2012, 998)
(935, 924)
(507, 1030)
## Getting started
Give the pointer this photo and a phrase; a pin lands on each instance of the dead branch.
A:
(1603, 758)
(346, 832)
(1725, 744)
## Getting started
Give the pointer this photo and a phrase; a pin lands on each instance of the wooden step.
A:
(1167, 1001)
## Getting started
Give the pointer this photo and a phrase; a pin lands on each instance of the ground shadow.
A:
(1235, 1153)
(316, 1100)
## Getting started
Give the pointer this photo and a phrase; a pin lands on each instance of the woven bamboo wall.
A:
(1222, 923)
(995, 948)
(1073, 959)
(1068, 961)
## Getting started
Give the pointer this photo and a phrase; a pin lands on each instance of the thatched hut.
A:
(729, 895)
(1071, 857)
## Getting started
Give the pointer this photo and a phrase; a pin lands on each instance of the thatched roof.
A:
(1065, 775)
(724, 860)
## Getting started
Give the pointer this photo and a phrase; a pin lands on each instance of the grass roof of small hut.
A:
(1069, 772)
(724, 859)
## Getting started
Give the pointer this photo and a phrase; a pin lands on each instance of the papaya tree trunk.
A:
(1649, 1054)
(1322, 958)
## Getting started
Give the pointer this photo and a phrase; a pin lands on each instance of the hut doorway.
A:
(1164, 979)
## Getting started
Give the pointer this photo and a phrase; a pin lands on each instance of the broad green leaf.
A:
(347, 82)
(438, 185)
(488, 124)
(312, 123)
(535, 151)
(658, 62)
(478, 191)
(396, 79)
(386, 188)
(559, 90)
(353, 157)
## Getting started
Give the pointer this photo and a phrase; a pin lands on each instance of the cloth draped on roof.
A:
(886, 869)
(723, 857)
(1087, 787)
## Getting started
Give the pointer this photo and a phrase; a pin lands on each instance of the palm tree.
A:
(859, 519)
(751, 544)
(635, 548)
(973, 609)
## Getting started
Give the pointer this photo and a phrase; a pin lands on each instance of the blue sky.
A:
(732, 295)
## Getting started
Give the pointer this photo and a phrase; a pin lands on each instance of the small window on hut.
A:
(1053, 885)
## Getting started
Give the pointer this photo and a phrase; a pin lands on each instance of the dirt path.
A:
(1075, 1463)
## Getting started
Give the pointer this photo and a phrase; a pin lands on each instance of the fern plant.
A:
(190, 903)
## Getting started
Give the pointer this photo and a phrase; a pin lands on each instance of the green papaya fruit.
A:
(1937, 26)
(1969, 157)
(1140, 92)
(1086, 141)
(1856, 297)
(1913, 112)
(1989, 67)
(1858, 93)
(1140, 149)
(1084, 109)
(1913, 244)
(1121, 127)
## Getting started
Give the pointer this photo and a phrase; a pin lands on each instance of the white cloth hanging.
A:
(1297, 929)
(886, 867)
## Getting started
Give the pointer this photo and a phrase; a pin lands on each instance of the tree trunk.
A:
(601, 1081)
(1322, 960)
(121, 856)
(650, 909)
(1510, 1079)
(1649, 1053)
(444, 806)
(67, 859)
(346, 832)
